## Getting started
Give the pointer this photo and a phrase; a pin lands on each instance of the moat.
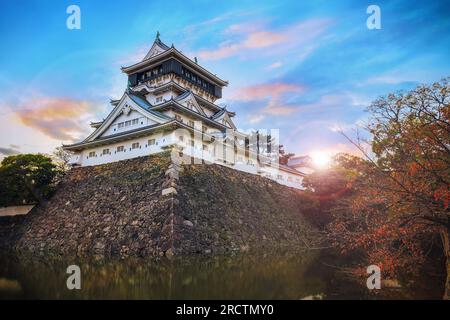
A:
(307, 275)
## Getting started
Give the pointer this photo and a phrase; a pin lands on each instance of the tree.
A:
(330, 186)
(283, 156)
(402, 194)
(26, 178)
(61, 159)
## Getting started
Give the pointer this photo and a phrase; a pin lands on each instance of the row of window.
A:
(280, 177)
(135, 145)
(190, 122)
(196, 79)
(128, 123)
(191, 142)
(152, 73)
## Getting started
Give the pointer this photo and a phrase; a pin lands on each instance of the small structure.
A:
(170, 101)
(302, 164)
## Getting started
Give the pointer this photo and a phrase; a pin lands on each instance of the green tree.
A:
(26, 178)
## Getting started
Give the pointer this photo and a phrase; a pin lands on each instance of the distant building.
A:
(303, 164)
(170, 101)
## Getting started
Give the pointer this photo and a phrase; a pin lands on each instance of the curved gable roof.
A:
(140, 105)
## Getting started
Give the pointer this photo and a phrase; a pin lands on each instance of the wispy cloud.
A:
(273, 93)
(266, 90)
(275, 65)
(247, 37)
(8, 151)
(58, 118)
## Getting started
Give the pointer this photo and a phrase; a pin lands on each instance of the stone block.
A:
(168, 191)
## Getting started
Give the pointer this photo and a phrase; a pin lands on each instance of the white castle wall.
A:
(114, 127)
(213, 154)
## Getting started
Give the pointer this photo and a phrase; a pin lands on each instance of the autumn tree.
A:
(329, 186)
(401, 194)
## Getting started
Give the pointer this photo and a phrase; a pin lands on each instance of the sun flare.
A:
(321, 159)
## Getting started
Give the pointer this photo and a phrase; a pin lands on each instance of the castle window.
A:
(127, 123)
(191, 142)
(191, 123)
(120, 148)
(178, 117)
(135, 121)
(151, 142)
(105, 151)
(91, 154)
(204, 129)
(205, 147)
(135, 145)
(181, 138)
(159, 99)
(120, 124)
(279, 177)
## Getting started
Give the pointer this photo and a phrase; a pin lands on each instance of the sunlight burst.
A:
(321, 159)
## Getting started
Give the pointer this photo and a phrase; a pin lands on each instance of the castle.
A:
(170, 102)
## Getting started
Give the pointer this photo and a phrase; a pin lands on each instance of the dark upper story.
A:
(174, 66)
(162, 60)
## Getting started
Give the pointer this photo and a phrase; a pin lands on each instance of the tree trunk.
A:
(34, 192)
(446, 244)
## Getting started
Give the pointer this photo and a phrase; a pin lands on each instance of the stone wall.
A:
(151, 206)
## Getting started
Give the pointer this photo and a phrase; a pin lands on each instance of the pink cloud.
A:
(273, 92)
(275, 65)
(253, 40)
(57, 118)
(300, 38)
(263, 91)
(263, 39)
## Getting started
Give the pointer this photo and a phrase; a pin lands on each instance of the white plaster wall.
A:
(186, 119)
(166, 96)
(208, 112)
(84, 159)
(273, 173)
(142, 122)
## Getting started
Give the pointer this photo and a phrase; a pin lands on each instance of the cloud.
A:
(266, 90)
(299, 38)
(8, 151)
(275, 65)
(56, 117)
(273, 93)
(256, 118)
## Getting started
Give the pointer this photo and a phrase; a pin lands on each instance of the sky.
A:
(307, 68)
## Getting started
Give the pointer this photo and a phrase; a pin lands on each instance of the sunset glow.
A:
(321, 159)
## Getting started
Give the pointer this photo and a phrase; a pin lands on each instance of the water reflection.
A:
(251, 276)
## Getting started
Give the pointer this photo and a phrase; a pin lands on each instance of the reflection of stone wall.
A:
(271, 276)
(9, 227)
(120, 209)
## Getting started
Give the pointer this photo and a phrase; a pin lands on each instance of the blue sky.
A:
(304, 67)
